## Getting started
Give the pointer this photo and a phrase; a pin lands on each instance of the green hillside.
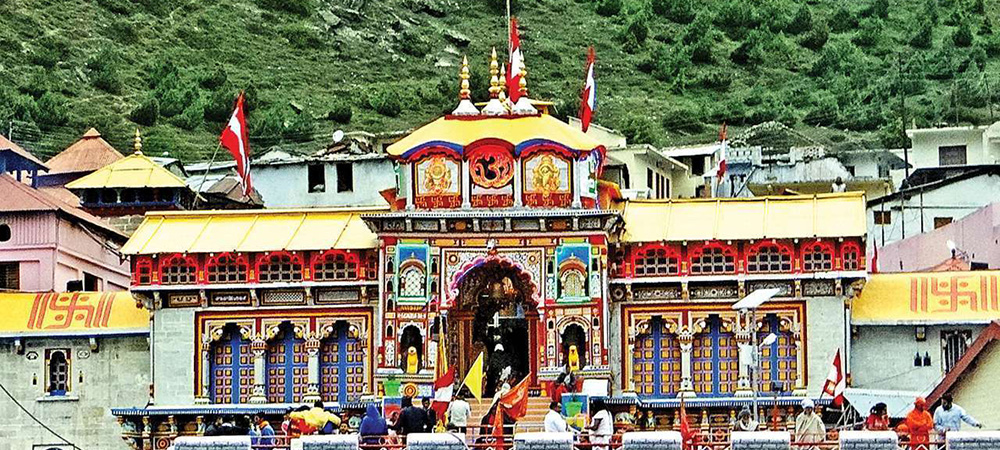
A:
(669, 70)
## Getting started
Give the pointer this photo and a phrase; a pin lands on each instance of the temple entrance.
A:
(494, 315)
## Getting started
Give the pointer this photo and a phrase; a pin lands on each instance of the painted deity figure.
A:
(545, 177)
(412, 360)
(437, 178)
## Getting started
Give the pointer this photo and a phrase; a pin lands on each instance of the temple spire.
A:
(465, 106)
(494, 107)
(137, 142)
(523, 105)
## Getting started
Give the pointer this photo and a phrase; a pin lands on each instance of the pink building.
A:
(976, 239)
(48, 245)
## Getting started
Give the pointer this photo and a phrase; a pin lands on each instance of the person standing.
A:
(458, 413)
(949, 416)
(919, 423)
(878, 419)
(745, 422)
(554, 421)
(602, 426)
(373, 426)
(430, 421)
(265, 431)
(808, 425)
(411, 419)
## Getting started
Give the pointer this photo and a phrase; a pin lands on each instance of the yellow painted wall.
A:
(977, 390)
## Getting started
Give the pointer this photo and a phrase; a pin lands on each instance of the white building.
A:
(951, 146)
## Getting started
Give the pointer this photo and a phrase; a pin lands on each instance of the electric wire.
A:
(39, 422)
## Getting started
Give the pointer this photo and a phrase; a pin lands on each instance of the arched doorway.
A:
(494, 314)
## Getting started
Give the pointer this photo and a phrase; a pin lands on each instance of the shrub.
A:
(679, 11)
(52, 110)
(15, 105)
(963, 35)
(637, 29)
(701, 51)
(931, 11)
(987, 27)
(879, 8)
(924, 38)
(385, 102)
(340, 112)
(146, 113)
(107, 79)
(802, 22)
(843, 20)
(639, 129)
(297, 7)
(123, 30)
(174, 101)
(608, 8)
(870, 34)
(214, 79)
(301, 36)
(190, 118)
(301, 128)
(413, 43)
(735, 17)
(817, 37)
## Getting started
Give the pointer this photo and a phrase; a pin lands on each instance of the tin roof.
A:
(19, 197)
(71, 314)
(28, 161)
(133, 171)
(89, 153)
(779, 217)
(252, 231)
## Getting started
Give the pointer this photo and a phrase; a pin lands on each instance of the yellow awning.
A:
(519, 131)
(928, 298)
(133, 171)
(251, 231)
(784, 217)
(71, 313)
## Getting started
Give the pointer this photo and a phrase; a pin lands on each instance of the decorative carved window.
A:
(657, 261)
(713, 260)
(227, 268)
(412, 282)
(335, 265)
(371, 265)
(143, 271)
(178, 269)
(769, 258)
(817, 257)
(58, 371)
(278, 267)
(851, 253)
(574, 283)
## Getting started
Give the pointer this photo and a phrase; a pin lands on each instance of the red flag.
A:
(443, 389)
(234, 138)
(722, 152)
(874, 266)
(516, 64)
(688, 436)
(589, 101)
(836, 382)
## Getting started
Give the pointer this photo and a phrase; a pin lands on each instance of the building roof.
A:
(134, 171)
(800, 216)
(692, 150)
(519, 131)
(252, 231)
(927, 298)
(929, 178)
(71, 314)
(967, 362)
(88, 154)
(26, 161)
(19, 197)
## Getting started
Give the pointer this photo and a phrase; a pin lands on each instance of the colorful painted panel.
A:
(438, 183)
(715, 361)
(287, 369)
(778, 361)
(572, 268)
(232, 370)
(412, 273)
(593, 164)
(547, 181)
(342, 367)
(656, 362)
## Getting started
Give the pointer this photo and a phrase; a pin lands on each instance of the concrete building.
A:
(974, 238)
(951, 146)
(67, 369)
(973, 380)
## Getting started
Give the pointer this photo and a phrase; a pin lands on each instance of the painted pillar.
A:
(686, 340)
(409, 180)
(577, 185)
(518, 184)
(466, 189)
(744, 331)
(204, 396)
(259, 394)
(312, 390)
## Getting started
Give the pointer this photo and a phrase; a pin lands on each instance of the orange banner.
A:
(928, 297)
(76, 313)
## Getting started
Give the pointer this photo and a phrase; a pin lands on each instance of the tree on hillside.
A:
(963, 35)
(802, 22)
(678, 11)
(924, 37)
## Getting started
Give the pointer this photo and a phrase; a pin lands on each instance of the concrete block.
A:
(868, 440)
(761, 440)
(435, 441)
(973, 440)
(543, 441)
(326, 442)
(212, 443)
(652, 440)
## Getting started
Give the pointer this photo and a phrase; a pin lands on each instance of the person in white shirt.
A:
(602, 426)
(458, 413)
(554, 421)
(949, 416)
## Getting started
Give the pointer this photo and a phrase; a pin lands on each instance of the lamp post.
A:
(747, 306)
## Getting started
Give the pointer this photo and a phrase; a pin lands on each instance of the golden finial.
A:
(494, 75)
(502, 94)
(523, 85)
(464, 93)
(137, 142)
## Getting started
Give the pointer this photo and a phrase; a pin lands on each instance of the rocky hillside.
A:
(669, 70)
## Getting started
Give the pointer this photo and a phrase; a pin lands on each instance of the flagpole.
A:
(207, 170)
(509, 49)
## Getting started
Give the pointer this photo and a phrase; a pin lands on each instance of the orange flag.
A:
(687, 434)
(515, 401)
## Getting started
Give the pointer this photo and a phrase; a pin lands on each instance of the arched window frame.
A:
(142, 274)
(269, 260)
(817, 256)
(851, 256)
(754, 264)
(57, 373)
(565, 280)
(656, 260)
(412, 267)
(698, 266)
(179, 269)
(323, 272)
(227, 268)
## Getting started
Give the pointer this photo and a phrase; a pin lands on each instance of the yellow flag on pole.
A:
(474, 379)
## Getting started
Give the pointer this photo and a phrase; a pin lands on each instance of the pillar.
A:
(744, 384)
(312, 390)
(686, 340)
(204, 396)
(259, 394)
(518, 184)
(408, 180)
(466, 188)
(577, 185)
(800, 381)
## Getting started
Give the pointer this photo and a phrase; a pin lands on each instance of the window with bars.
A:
(769, 259)
(10, 276)
(144, 272)
(411, 282)
(573, 283)
(657, 261)
(954, 343)
(58, 371)
(178, 270)
(227, 269)
(852, 257)
(279, 267)
(335, 266)
(371, 265)
(817, 258)
(713, 260)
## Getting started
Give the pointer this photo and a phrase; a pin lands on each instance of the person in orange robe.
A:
(919, 423)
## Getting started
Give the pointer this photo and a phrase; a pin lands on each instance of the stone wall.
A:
(173, 356)
(116, 375)
(825, 334)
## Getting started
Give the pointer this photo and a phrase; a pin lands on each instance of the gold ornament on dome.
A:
(545, 176)
(437, 177)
